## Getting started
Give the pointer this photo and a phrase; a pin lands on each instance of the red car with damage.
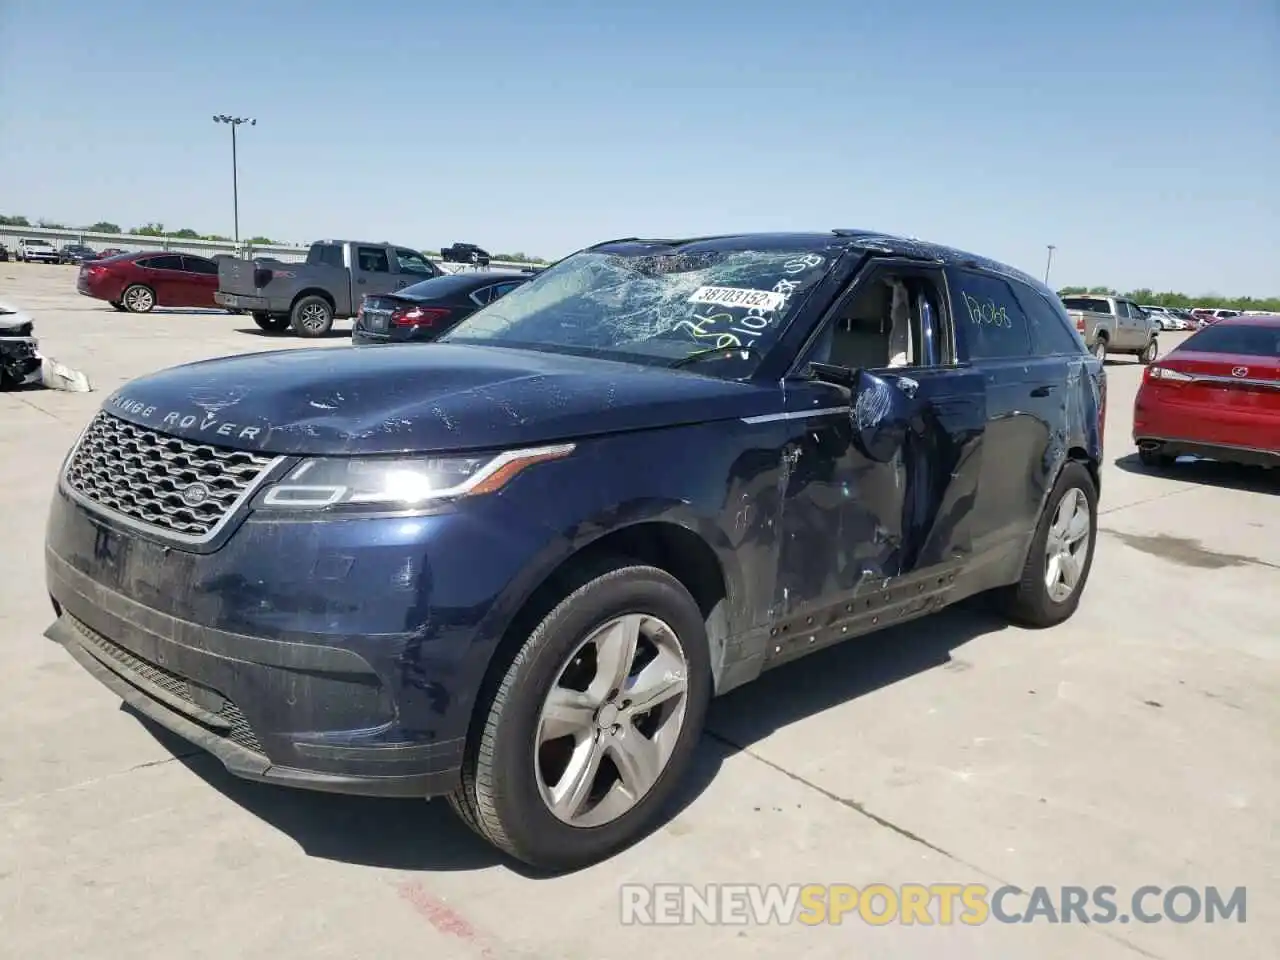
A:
(1216, 395)
(139, 282)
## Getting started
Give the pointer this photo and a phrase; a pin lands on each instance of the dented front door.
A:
(878, 493)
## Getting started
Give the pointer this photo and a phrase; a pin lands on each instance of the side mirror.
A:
(880, 417)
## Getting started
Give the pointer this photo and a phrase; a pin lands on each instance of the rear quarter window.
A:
(988, 316)
(1052, 331)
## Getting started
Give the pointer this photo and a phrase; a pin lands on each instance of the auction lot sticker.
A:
(738, 297)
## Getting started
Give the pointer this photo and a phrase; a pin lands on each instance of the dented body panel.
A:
(347, 652)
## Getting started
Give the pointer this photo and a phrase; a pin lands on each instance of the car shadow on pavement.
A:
(414, 835)
(1234, 476)
(332, 334)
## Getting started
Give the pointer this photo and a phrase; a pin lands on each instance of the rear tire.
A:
(138, 298)
(270, 323)
(311, 317)
(1031, 602)
(505, 795)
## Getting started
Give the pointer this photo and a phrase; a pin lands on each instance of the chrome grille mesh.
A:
(142, 474)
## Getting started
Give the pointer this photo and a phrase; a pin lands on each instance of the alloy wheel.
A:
(314, 316)
(139, 299)
(1067, 545)
(610, 722)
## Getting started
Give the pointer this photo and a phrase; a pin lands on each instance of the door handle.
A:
(1042, 391)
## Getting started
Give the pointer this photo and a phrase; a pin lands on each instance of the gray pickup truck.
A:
(1114, 325)
(307, 297)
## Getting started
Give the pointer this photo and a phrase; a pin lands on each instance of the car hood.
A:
(411, 398)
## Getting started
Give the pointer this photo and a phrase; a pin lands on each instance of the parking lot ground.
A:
(1135, 745)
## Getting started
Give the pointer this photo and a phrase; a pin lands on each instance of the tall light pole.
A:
(234, 122)
(1048, 263)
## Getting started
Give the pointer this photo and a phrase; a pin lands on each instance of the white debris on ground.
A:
(21, 362)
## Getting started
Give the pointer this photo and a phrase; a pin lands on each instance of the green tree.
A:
(216, 237)
(259, 241)
(14, 222)
(149, 230)
(186, 233)
(104, 226)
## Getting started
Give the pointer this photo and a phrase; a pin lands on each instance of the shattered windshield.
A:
(653, 307)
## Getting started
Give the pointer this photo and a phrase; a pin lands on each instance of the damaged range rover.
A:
(511, 567)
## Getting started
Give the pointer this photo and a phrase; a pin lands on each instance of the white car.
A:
(1161, 316)
(33, 250)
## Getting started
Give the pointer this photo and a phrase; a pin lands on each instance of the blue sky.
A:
(1141, 137)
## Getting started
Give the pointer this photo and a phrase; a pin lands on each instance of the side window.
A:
(1122, 310)
(992, 321)
(147, 263)
(887, 320)
(326, 255)
(410, 261)
(502, 289)
(199, 265)
(166, 262)
(373, 259)
(484, 295)
(1052, 332)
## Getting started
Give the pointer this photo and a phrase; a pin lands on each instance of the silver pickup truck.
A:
(307, 297)
(1114, 325)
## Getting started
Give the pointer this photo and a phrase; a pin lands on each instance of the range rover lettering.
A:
(512, 567)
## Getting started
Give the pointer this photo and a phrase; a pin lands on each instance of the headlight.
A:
(400, 484)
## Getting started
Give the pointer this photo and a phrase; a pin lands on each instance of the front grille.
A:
(143, 474)
(128, 664)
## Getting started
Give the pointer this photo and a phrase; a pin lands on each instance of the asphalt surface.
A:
(1135, 745)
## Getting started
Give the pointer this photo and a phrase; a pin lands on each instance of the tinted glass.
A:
(502, 289)
(655, 307)
(200, 265)
(992, 319)
(410, 261)
(325, 254)
(165, 262)
(458, 285)
(1095, 304)
(1253, 340)
(373, 259)
(1052, 331)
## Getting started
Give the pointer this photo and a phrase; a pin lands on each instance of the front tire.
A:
(311, 317)
(139, 298)
(1149, 353)
(1100, 349)
(594, 724)
(1061, 555)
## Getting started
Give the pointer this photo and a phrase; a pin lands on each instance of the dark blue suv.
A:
(511, 567)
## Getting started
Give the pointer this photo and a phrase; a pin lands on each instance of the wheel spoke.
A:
(1078, 526)
(639, 761)
(570, 793)
(1053, 571)
(660, 680)
(567, 713)
(1070, 566)
(615, 652)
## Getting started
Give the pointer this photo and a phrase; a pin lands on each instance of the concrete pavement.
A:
(1135, 745)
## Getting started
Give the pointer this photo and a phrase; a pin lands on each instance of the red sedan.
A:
(139, 281)
(1216, 395)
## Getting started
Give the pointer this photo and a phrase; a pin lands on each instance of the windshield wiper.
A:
(717, 352)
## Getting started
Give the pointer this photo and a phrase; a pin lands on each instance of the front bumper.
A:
(335, 655)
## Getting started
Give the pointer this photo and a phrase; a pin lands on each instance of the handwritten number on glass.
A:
(987, 314)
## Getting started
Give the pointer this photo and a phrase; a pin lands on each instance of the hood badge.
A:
(1239, 371)
(194, 494)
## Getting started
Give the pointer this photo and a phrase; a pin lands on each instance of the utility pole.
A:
(1048, 264)
(234, 122)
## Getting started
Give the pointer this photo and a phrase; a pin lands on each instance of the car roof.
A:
(842, 239)
(1251, 320)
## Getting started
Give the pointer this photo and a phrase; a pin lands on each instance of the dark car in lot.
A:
(429, 309)
(139, 282)
(76, 253)
(1216, 395)
(512, 569)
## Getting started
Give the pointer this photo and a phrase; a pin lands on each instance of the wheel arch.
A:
(320, 292)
